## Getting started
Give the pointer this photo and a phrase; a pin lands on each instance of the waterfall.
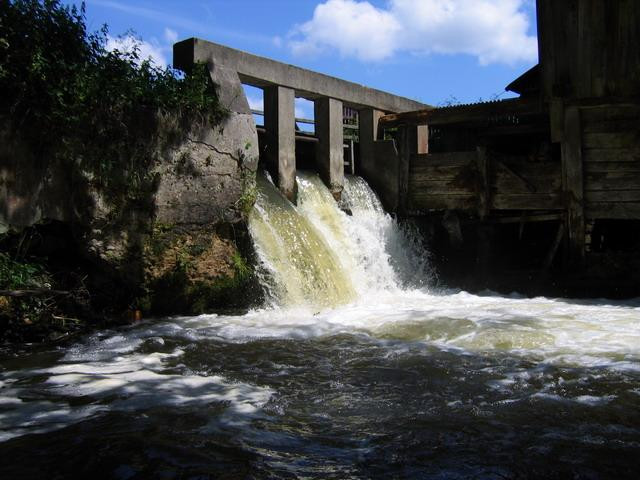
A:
(298, 266)
(315, 254)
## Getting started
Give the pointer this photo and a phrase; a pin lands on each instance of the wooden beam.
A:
(619, 139)
(530, 201)
(615, 196)
(594, 167)
(612, 154)
(423, 201)
(480, 112)
(423, 139)
(573, 183)
(614, 211)
(533, 217)
(556, 119)
(529, 186)
(604, 181)
(554, 247)
(445, 159)
(408, 147)
(484, 194)
(439, 187)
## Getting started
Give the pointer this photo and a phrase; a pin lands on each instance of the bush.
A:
(16, 275)
(106, 112)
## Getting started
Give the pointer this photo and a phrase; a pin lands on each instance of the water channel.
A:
(356, 366)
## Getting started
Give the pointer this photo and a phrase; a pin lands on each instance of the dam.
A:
(540, 191)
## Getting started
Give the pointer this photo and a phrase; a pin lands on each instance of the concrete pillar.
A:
(368, 132)
(330, 149)
(279, 122)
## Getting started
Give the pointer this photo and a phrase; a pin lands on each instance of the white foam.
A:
(594, 401)
(560, 332)
(130, 382)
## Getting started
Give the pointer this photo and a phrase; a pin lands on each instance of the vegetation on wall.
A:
(104, 118)
(195, 271)
(103, 111)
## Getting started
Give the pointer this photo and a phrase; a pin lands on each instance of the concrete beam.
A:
(330, 148)
(279, 122)
(263, 72)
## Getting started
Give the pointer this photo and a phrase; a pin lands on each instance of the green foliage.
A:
(248, 198)
(242, 269)
(20, 275)
(106, 113)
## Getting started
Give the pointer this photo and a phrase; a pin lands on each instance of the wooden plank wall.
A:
(589, 48)
(442, 181)
(611, 153)
(519, 184)
(452, 181)
(383, 173)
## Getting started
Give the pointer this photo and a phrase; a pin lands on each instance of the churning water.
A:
(353, 369)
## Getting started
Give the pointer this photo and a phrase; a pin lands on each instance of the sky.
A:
(435, 51)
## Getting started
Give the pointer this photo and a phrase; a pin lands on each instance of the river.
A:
(356, 366)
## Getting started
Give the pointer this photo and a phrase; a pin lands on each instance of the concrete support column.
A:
(279, 122)
(330, 148)
(368, 133)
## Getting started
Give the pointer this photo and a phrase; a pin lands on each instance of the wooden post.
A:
(484, 200)
(551, 254)
(573, 185)
(556, 120)
(368, 134)
(423, 139)
(408, 145)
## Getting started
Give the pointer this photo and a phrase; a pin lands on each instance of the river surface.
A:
(355, 367)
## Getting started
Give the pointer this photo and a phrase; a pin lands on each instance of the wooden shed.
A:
(566, 151)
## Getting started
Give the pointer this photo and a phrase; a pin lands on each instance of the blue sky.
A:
(433, 51)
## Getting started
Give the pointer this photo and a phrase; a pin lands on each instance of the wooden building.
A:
(566, 153)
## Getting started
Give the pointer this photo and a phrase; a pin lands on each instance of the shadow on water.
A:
(345, 406)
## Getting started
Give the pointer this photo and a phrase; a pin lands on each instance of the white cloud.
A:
(303, 108)
(146, 50)
(493, 31)
(255, 103)
(170, 35)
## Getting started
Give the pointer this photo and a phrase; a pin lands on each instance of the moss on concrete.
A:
(194, 270)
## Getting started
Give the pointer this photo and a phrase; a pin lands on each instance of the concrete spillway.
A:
(315, 254)
(298, 265)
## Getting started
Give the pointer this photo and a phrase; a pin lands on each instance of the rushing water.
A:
(354, 369)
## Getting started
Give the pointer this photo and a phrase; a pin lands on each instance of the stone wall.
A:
(204, 186)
